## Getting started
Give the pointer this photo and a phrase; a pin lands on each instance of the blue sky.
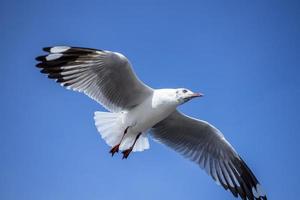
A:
(243, 55)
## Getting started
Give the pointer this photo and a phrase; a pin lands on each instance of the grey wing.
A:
(105, 76)
(204, 144)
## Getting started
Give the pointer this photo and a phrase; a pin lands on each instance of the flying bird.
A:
(136, 110)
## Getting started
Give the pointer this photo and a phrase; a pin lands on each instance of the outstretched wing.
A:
(105, 76)
(204, 144)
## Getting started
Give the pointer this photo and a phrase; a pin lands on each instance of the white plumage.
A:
(136, 109)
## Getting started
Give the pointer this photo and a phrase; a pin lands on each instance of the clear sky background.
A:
(243, 55)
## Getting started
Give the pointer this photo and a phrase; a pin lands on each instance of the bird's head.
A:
(173, 96)
(183, 95)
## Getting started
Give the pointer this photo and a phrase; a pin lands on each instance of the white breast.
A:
(150, 112)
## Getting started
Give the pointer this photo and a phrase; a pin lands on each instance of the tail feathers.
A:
(111, 129)
(108, 125)
(141, 144)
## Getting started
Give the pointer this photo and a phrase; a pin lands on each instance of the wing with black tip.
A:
(204, 144)
(105, 76)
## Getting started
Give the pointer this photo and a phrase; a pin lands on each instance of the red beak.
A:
(197, 95)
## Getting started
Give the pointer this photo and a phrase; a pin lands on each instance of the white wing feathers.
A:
(105, 76)
(204, 144)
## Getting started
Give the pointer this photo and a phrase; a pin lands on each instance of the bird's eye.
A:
(184, 91)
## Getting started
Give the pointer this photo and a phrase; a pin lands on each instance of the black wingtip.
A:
(47, 49)
(41, 58)
(39, 65)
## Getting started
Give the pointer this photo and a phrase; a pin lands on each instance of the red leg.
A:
(115, 149)
(128, 151)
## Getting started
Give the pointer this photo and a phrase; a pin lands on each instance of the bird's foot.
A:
(114, 150)
(126, 152)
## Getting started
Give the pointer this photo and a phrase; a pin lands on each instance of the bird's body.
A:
(151, 111)
(135, 109)
(139, 119)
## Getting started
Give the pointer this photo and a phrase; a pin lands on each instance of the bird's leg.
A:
(128, 151)
(115, 149)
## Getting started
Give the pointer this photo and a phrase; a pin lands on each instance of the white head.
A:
(176, 96)
(184, 95)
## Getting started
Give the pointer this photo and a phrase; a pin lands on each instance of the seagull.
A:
(137, 110)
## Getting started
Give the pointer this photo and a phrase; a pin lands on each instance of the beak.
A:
(197, 95)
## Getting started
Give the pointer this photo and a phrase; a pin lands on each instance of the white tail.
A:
(111, 128)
